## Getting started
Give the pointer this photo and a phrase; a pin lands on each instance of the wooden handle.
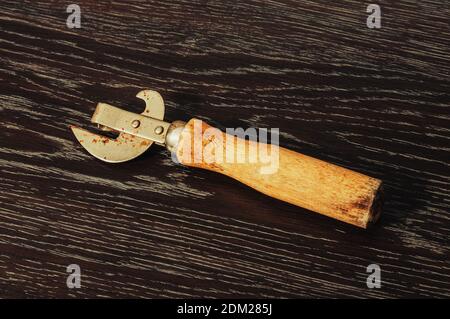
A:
(301, 180)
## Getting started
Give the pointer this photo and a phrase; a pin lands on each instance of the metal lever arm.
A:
(135, 124)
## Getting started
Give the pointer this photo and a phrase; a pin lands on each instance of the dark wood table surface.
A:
(373, 100)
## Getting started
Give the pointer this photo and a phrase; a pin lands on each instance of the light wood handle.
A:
(301, 180)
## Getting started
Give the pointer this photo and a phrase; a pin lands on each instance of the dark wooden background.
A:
(376, 101)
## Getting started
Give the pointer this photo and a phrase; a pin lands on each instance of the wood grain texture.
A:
(289, 176)
(375, 101)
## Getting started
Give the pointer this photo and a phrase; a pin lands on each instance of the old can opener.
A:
(301, 180)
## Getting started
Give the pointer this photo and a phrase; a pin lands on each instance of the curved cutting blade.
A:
(121, 149)
(126, 146)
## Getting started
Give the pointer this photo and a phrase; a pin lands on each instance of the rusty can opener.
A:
(301, 180)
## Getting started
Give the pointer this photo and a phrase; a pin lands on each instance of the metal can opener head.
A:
(137, 132)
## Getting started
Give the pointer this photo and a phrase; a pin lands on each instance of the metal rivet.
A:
(135, 123)
(159, 130)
